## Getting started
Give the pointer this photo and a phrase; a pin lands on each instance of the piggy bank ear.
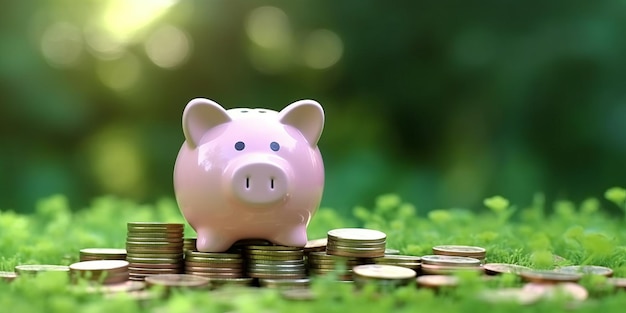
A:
(307, 116)
(199, 116)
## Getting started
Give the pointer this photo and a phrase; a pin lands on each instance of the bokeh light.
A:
(62, 45)
(322, 49)
(168, 46)
(269, 27)
(119, 74)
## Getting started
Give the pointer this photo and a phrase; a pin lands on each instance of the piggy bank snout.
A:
(259, 183)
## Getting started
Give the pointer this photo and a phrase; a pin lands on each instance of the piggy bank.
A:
(249, 173)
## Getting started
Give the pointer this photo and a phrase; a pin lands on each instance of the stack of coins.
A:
(189, 244)
(104, 271)
(154, 248)
(215, 282)
(93, 254)
(444, 264)
(320, 263)
(315, 245)
(437, 281)
(275, 262)
(214, 264)
(356, 242)
(384, 276)
(408, 261)
(457, 250)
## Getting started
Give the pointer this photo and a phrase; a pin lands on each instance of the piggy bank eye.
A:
(239, 145)
(274, 146)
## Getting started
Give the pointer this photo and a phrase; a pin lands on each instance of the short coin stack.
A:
(384, 276)
(466, 251)
(154, 248)
(104, 271)
(445, 264)
(214, 265)
(408, 261)
(356, 242)
(93, 254)
(275, 262)
(320, 263)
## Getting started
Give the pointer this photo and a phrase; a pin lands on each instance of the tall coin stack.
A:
(356, 242)
(154, 248)
(320, 263)
(275, 262)
(214, 264)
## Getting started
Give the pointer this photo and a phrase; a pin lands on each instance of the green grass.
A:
(581, 233)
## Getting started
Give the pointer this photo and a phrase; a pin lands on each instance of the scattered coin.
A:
(8, 276)
(38, 268)
(586, 270)
(437, 281)
(617, 282)
(389, 251)
(383, 275)
(547, 276)
(517, 295)
(501, 268)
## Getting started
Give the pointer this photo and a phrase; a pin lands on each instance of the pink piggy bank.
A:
(249, 173)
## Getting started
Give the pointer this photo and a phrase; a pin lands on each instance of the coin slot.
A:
(272, 183)
(247, 182)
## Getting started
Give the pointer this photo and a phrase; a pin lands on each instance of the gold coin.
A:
(213, 254)
(392, 251)
(316, 245)
(368, 254)
(501, 268)
(586, 270)
(449, 260)
(8, 276)
(546, 276)
(101, 265)
(356, 234)
(155, 260)
(378, 271)
(177, 280)
(436, 281)
(38, 268)
(459, 250)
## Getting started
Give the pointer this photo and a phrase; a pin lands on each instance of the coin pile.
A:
(214, 264)
(154, 248)
(466, 251)
(445, 264)
(320, 263)
(189, 244)
(356, 242)
(104, 271)
(408, 261)
(384, 276)
(93, 254)
(275, 262)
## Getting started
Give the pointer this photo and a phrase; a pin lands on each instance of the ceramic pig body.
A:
(249, 173)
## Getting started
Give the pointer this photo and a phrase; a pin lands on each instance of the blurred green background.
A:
(442, 102)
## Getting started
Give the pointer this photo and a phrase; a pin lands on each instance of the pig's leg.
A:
(210, 241)
(293, 237)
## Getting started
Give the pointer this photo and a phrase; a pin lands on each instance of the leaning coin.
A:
(547, 276)
(501, 268)
(177, 280)
(586, 270)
